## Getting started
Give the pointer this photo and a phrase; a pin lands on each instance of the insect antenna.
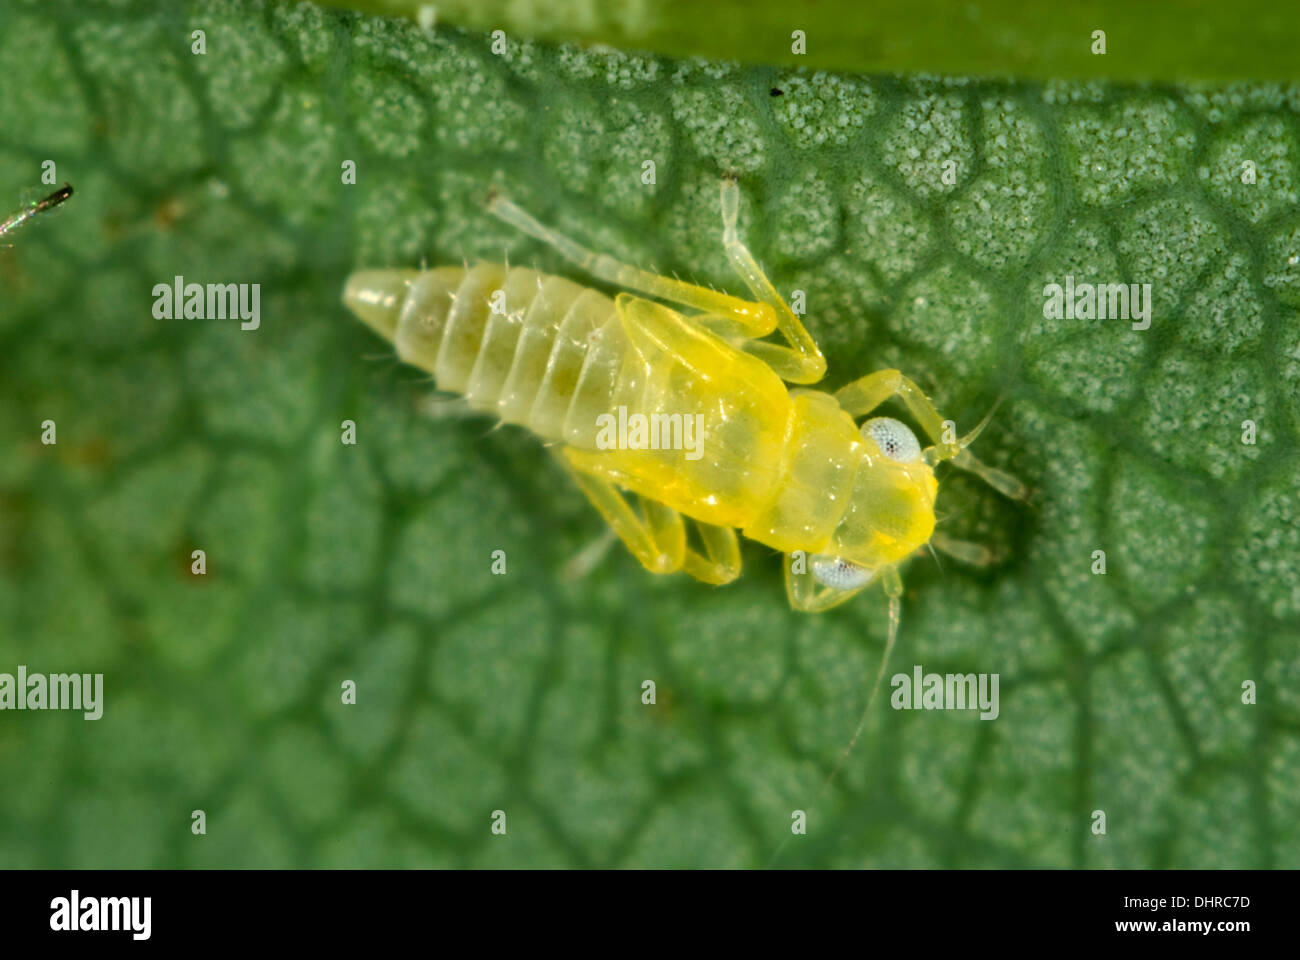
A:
(895, 615)
(967, 440)
(18, 218)
(940, 452)
(951, 515)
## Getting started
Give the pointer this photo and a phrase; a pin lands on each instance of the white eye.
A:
(840, 574)
(893, 438)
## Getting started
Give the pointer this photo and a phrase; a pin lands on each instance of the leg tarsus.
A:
(1004, 483)
(638, 534)
(666, 530)
(964, 551)
(720, 563)
(657, 536)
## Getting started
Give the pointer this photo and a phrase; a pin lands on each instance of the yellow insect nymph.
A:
(687, 413)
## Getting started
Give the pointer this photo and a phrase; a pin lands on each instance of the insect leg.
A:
(654, 329)
(657, 536)
(866, 393)
(1003, 483)
(442, 407)
(666, 528)
(727, 326)
(657, 540)
(808, 595)
(754, 319)
(973, 554)
(894, 590)
(893, 585)
(721, 562)
(801, 361)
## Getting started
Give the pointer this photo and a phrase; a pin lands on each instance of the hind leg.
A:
(730, 317)
(739, 317)
(801, 361)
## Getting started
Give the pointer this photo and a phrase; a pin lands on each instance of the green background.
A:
(1164, 40)
(522, 692)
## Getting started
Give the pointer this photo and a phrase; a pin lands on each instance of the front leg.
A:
(823, 582)
(866, 393)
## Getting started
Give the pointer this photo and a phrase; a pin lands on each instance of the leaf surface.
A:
(522, 692)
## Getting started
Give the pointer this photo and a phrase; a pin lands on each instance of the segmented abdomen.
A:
(534, 349)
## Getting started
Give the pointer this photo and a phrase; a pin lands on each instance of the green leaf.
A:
(371, 563)
(1172, 40)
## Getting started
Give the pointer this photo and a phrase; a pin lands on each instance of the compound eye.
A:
(840, 574)
(893, 438)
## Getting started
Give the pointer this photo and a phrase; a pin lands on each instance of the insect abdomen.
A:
(534, 349)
